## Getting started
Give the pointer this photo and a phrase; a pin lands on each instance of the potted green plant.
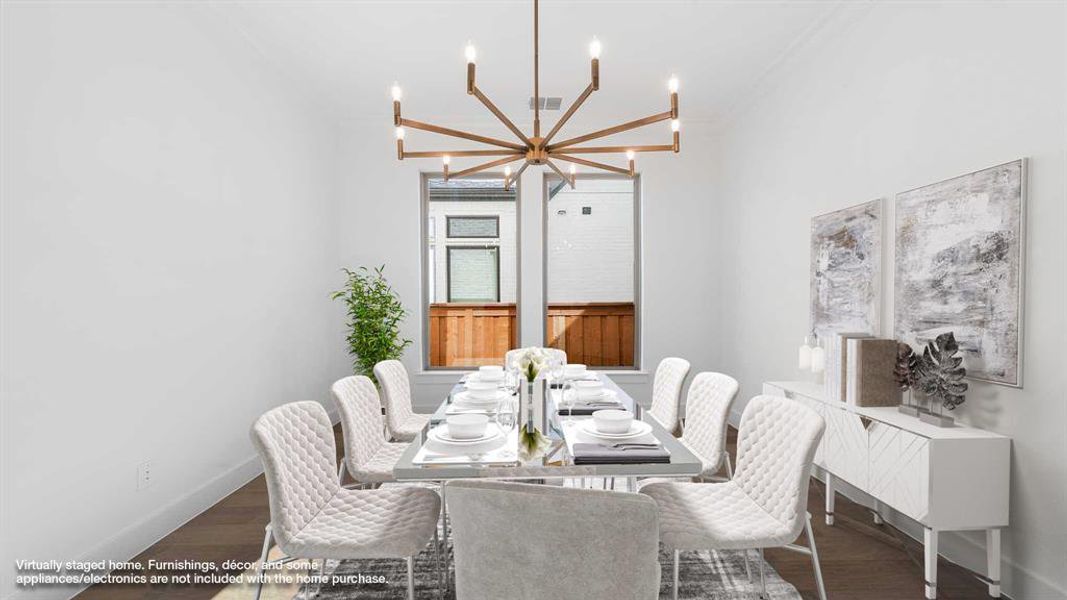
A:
(374, 316)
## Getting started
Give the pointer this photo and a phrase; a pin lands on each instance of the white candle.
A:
(804, 357)
(818, 359)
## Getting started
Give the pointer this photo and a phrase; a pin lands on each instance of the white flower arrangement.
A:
(531, 361)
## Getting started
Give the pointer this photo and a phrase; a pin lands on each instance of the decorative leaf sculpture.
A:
(907, 369)
(941, 374)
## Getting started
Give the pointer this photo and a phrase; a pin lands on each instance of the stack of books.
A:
(859, 370)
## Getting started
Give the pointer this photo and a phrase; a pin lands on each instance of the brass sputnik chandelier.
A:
(537, 149)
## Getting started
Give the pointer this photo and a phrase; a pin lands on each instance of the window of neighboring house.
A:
(474, 227)
(471, 278)
(592, 280)
(473, 274)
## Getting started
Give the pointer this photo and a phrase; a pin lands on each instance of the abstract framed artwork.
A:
(959, 268)
(846, 270)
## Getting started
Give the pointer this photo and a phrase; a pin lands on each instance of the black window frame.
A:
(448, 271)
(448, 226)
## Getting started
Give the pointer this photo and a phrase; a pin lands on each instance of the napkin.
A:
(579, 409)
(596, 454)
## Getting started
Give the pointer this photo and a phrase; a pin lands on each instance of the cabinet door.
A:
(911, 489)
(846, 446)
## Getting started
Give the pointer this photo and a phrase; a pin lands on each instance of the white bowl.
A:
(467, 426)
(481, 389)
(573, 371)
(612, 421)
(588, 390)
(491, 373)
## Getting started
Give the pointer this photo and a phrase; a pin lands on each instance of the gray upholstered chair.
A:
(764, 505)
(369, 457)
(707, 411)
(530, 542)
(400, 421)
(667, 392)
(313, 517)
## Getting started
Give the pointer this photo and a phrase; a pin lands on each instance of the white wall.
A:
(591, 256)
(506, 242)
(380, 207)
(886, 98)
(168, 246)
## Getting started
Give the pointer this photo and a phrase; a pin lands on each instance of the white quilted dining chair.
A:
(667, 392)
(313, 517)
(764, 505)
(401, 422)
(369, 457)
(707, 410)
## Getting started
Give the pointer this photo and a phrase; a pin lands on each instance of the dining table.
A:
(428, 459)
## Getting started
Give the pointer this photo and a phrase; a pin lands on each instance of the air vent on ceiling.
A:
(547, 102)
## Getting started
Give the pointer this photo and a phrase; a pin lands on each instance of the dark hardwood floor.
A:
(860, 561)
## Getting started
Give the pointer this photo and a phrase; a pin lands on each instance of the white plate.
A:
(465, 397)
(605, 396)
(637, 429)
(440, 434)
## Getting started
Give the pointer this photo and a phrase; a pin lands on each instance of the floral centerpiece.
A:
(531, 363)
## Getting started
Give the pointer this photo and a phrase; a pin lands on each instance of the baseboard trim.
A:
(128, 542)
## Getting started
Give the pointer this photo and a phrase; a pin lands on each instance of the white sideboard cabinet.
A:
(947, 479)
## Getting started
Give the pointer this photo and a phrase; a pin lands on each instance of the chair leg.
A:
(729, 467)
(341, 471)
(815, 559)
(748, 569)
(674, 588)
(437, 563)
(762, 578)
(262, 562)
(444, 533)
(411, 578)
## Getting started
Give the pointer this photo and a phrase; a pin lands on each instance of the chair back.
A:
(775, 448)
(296, 445)
(361, 419)
(667, 391)
(707, 409)
(396, 392)
(522, 541)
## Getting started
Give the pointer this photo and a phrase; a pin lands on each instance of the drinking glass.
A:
(505, 414)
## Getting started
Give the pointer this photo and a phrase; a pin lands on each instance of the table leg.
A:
(829, 498)
(930, 552)
(992, 548)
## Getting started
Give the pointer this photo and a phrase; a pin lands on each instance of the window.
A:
(470, 284)
(591, 275)
(474, 227)
(473, 274)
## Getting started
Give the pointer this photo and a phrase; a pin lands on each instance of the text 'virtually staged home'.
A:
(533, 299)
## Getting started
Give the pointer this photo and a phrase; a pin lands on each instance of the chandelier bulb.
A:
(470, 52)
(630, 154)
(594, 48)
(445, 159)
(675, 125)
(507, 172)
(399, 133)
(672, 84)
(397, 92)
(574, 169)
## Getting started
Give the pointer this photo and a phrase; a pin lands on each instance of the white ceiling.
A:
(347, 54)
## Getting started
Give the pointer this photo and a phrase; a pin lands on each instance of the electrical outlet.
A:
(144, 475)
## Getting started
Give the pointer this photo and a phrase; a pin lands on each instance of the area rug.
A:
(703, 575)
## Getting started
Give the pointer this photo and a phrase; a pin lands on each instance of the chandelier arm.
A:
(537, 88)
(663, 116)
(499, 115)
(461, 134)
(570, 111)
(458, 153)
(619, 149)
(488, 165)
(590, 163)
(568, 178)
(515, 176)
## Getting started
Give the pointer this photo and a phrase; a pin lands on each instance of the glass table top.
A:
(497, 457)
